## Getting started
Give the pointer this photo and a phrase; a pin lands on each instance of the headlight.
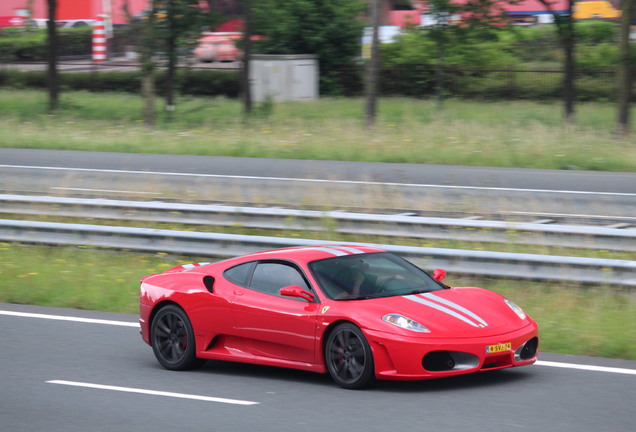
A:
(520, 313)
(405, 323)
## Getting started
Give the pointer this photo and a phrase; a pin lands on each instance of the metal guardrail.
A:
(620, 238)
(495, 264)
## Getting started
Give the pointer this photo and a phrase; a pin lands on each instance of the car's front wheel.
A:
(173, 339)
(348, 357)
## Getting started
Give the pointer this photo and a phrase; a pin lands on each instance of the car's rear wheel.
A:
(173, 339)
(348, 357)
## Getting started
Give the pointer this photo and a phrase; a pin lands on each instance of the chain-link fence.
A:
(499, 83)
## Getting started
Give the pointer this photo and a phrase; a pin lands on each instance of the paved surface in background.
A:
(450, 175)
(335, 184)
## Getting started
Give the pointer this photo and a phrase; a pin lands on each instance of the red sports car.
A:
(358, 313)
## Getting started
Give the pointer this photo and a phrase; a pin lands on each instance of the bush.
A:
(15, 79)
(202, 83)
(75, 42)
(33, 45)
(28, 46)
(209, 83)
(129, 82)
(595, 32)
(461, 48)
(596, 56)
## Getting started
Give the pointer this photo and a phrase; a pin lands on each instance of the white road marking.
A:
(578, 215)
(70, 318)
(154, 392)
(591, 368)
(107, 190)
(587, 367)
(351, 182)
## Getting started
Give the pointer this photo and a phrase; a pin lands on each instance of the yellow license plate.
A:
(498, 348)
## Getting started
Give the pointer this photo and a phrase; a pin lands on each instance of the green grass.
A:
(594, 321)
(501, 134)
(573, 319)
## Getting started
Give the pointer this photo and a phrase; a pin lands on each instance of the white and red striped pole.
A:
(99, 40)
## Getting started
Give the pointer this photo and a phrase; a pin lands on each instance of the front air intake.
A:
(528, 350)
(440, 361)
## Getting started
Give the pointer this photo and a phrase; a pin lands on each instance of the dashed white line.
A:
(70, 318)
(587, 367)
(577, 215)
(153, 392)
(107, 190)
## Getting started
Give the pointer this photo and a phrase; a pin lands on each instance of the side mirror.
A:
(439, 274)
(296, 291)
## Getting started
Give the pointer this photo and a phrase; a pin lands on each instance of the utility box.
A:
(284, 77)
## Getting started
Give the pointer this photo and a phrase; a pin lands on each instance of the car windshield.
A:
(372, 275)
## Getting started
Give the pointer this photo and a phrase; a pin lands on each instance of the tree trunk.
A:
(171, 48)
(247, 53)
(624, 70)
(439, 69)
(52, 77)
(148, 66)
(569, 40)
(371, 81)
(565, 29)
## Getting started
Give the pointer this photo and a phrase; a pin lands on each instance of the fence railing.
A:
(498, 83)
(493, 83)
(619, 238)
(214, 245)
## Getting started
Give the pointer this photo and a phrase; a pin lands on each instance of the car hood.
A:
(465, 312)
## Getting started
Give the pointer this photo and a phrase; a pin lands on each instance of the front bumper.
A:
(415, 358)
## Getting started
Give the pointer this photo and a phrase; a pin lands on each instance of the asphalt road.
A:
(53, 374)
(327, 183)
(450, 175)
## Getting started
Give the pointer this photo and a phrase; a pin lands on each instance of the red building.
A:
(74, 9)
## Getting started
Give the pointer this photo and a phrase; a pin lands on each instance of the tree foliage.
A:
(168, 27)
(331, 29)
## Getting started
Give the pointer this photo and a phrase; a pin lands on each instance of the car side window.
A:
(239, 274)
(271, 277)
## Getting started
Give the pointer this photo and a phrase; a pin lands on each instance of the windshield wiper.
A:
(364, 297)
(419, 291)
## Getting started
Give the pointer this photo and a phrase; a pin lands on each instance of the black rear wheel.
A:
(173, 339)
(348, 357)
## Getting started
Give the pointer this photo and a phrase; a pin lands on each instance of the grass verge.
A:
(498, 134)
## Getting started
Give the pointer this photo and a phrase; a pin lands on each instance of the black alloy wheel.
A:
(173, 339)
(348, 357)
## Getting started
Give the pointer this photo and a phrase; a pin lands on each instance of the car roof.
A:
(305, 254)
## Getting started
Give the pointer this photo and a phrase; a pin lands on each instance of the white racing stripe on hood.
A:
(455, 306)
(441, 309)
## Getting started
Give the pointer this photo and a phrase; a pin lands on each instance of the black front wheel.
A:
(173, 339)
(348, 357)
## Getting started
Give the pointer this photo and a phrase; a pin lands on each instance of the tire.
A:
(348, 357)
(173, 339)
